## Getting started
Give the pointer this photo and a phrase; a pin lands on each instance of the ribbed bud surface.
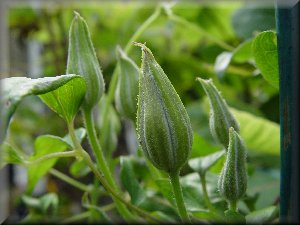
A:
(232, 182)
(128, 86)
(163, 125)
(221, 119)
(82, 60)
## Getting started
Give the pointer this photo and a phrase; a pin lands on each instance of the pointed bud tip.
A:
(201, 80)
(77, 15)
(142, 46)
(119, 52)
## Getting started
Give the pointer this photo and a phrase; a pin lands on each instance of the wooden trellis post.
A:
(287, 16)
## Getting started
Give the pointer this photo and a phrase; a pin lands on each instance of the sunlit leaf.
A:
(242, 54)
(14, 89)
(259, 134)
(266, 56)
(66, 100)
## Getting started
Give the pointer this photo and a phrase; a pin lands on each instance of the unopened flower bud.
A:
(163, 125)
(82, 60)
(221, 119)
(128, 86)
(232, 182)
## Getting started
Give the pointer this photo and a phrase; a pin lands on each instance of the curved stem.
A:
(77, 217)
(199, 30)
(115, 195)
(101, 162)
(51, 156)
(128, 47)
(101, 177)
(70, 180)
(205, 194)
(174, 177)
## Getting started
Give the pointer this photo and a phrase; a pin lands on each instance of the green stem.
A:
(174, 177)
(142, 28)
(51, 156)
(232, 205)
(115, 195)
(188, 25)
(114, 79)
(205, 194)
(70, 180)
(101, 162)
(77, 217)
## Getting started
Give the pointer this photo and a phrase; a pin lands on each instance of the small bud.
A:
(128, 86)
(163, 126)
(82, 60)
(221, 119)
(232, 182)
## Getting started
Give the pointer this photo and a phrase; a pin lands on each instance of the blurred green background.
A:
(39, 44)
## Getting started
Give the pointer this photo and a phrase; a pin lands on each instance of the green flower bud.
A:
(232, 182)
(221, 119)
(163, 126)
(82, 60)
(128, 86)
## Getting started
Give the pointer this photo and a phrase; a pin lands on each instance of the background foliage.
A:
(216, 43)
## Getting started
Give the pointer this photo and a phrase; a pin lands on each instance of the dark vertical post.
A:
(287, 19)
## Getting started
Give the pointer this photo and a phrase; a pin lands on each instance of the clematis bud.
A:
(82, 60)
(163, 126)
(221, 119)
(128, 86)
(232, 182)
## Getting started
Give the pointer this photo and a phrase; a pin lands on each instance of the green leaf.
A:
(202, 164)
(14, 89)
(259, 134)
(262, 216)
(242, 54)
(44, 145)
(66, 100)
(80, 134)
(49, 202)
(165, 188)
(130, 182)
(9, 155)
(266, 56)
(46, 204)
(266, 183)
(201, 147)
(79, 169)
(222, 62)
